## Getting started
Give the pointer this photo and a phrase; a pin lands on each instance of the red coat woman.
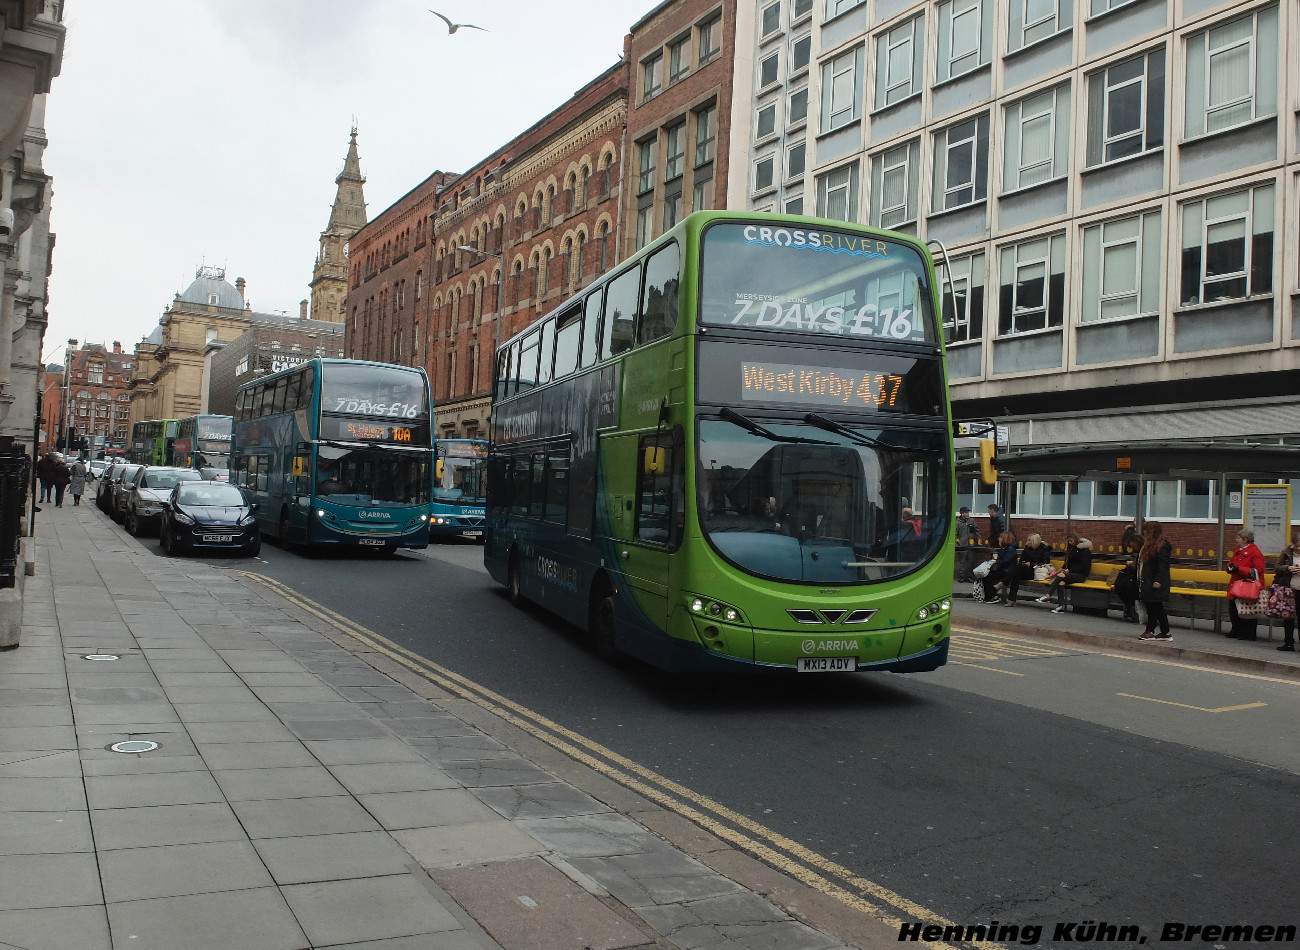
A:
(1246, 563)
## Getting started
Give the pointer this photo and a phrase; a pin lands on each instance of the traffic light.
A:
(988, 461)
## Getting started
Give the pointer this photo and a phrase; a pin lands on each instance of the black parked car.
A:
(202, 515)
(119, 488)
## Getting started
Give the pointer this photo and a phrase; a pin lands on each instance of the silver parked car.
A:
(147, 494)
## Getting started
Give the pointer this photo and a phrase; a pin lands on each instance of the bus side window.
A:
(258, 395)
(512, 381)
(291, 394)
(537, 490)
(239, 403)
(547, 353)
(308, 387)
(503, 372)
(591, 330)
(567, 337)
(659, 299)
(620, 313)
(527, 377)
(520, 481)
(281, 387)
(557, 486)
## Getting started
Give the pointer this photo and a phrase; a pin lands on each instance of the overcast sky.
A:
(185, 131)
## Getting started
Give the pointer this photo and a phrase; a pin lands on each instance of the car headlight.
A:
(182, 517)
(248, 519)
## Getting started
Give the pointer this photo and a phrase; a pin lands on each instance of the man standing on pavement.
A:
(996, 524)
(968, 535)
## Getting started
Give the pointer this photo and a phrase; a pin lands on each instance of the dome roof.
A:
(210, 286)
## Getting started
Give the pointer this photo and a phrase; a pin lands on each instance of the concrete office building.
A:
(1115, 181)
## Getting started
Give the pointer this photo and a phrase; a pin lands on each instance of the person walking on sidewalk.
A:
(1287, 572)
(1246, 564)
(1154, 579)
(60, 477)
(77, 481)
(44, 471)
(968, 535)
(1077, 566)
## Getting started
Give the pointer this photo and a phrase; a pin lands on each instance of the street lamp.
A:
(496, 329)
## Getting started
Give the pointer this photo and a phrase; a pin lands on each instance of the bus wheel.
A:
(602, 629)
(284, 531)
(513, 582)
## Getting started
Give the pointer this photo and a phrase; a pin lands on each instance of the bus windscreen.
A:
(821, 281)
(358, 390)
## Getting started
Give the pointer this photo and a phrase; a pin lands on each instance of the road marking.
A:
(1221, 709)
(635, 776)
(991, 669)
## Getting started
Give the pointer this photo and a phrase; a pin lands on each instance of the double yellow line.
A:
(782, 853)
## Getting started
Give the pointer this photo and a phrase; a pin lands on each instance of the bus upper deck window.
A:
(659, 298)
(620, 312)
(591, 330)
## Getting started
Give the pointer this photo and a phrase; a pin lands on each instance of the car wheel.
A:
(255, 548)
(132, 526)
(165, 540)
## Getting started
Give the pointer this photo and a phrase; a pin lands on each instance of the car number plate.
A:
(374, 542)
(218, 537)
(827, 664)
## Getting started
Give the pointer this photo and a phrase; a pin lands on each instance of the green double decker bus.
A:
(734, 451)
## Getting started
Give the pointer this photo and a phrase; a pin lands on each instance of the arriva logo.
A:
(376, 514)
(812, 646)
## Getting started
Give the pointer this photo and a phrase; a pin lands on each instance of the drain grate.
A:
(134, 746)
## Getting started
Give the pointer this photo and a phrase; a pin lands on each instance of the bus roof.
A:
(328, 360)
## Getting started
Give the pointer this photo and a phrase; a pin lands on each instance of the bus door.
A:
(299, 483)
(657, 517)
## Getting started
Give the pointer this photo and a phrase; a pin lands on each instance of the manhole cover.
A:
(134, 745)
(101, 656)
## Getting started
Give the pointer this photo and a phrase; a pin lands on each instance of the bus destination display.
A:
(365, 430)
(769, 375)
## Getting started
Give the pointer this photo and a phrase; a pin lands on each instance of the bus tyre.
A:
(603, 620)
(513, 582)
(284, 531)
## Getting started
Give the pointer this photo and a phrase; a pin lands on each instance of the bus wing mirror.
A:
(654, 461)
(437, 471)
(988, 461)
(297, 465)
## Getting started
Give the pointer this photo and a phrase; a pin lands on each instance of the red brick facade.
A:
(97, 401)
(546, 204)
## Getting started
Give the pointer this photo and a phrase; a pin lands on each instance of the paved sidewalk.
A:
(298, 797)
(1199, 644)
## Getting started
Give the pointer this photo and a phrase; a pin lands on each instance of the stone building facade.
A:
(329, 278)
(545, 207)
(678, 116)
(167, 378)
(273, 342)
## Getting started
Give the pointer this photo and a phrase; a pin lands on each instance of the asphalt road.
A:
(1021, 784)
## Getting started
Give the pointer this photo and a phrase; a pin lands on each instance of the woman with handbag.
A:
(1246, 572)
(1035, 561)
(1154, 579)
(1077, 567)
(1287, 571)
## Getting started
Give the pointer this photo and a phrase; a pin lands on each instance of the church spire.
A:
(329, 281)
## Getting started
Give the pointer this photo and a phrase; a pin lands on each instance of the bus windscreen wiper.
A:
(749, 425)
(822, 422)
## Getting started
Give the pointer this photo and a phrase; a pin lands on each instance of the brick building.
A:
(96, 401)
(545, 205)
(678, 115)
(273, 342)
(51, 408)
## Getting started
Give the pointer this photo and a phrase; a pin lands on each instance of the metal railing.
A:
(15, 475)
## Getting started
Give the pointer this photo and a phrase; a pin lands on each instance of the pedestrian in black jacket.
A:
(1078, 564)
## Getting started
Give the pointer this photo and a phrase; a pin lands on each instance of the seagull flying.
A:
(453, 27)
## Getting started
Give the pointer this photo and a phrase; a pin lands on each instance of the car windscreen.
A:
(126, 473)
(210, 494)
(165, 479)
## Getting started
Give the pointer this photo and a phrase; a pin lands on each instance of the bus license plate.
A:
(374, 542)
(218, 538)
(827, 664)
(471, 534)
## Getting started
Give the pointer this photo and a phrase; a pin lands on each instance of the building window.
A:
(765, 124)
(652, 71)
(705, 134)
(797, 109)
(1232, 73)
(963, 45)
(898, 62)
(1034, 20)
(963, 308)
(679, 59)
(961, 164)
(646, 182)
(702, 195)
(710, 39)
(644, 223)
(1121, 268)
(1037, 139)
(1228, 246)
(672, 209)
(770, 19)
(1103, 6)
(211, 335)
(800, 53)
(1126, 108)
(419, 284)
(96, 373)
(675, 159)
(214, 299)
(893, 185)
(801, 9)
(794, 205)
(837, 193)
(764, 173)
(769, 70)
(841, 90)
(835, 7)
(794, 161)
(1032, 295)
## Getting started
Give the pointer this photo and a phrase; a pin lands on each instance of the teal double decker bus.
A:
(337, 453)
(735, 451)
(459, 489)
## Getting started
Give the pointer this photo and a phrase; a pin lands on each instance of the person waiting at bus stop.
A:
(1004, 567)
(1246, 563)
(1154, 575)
(1078, 564)
(1287, 572)
(1035, 554)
